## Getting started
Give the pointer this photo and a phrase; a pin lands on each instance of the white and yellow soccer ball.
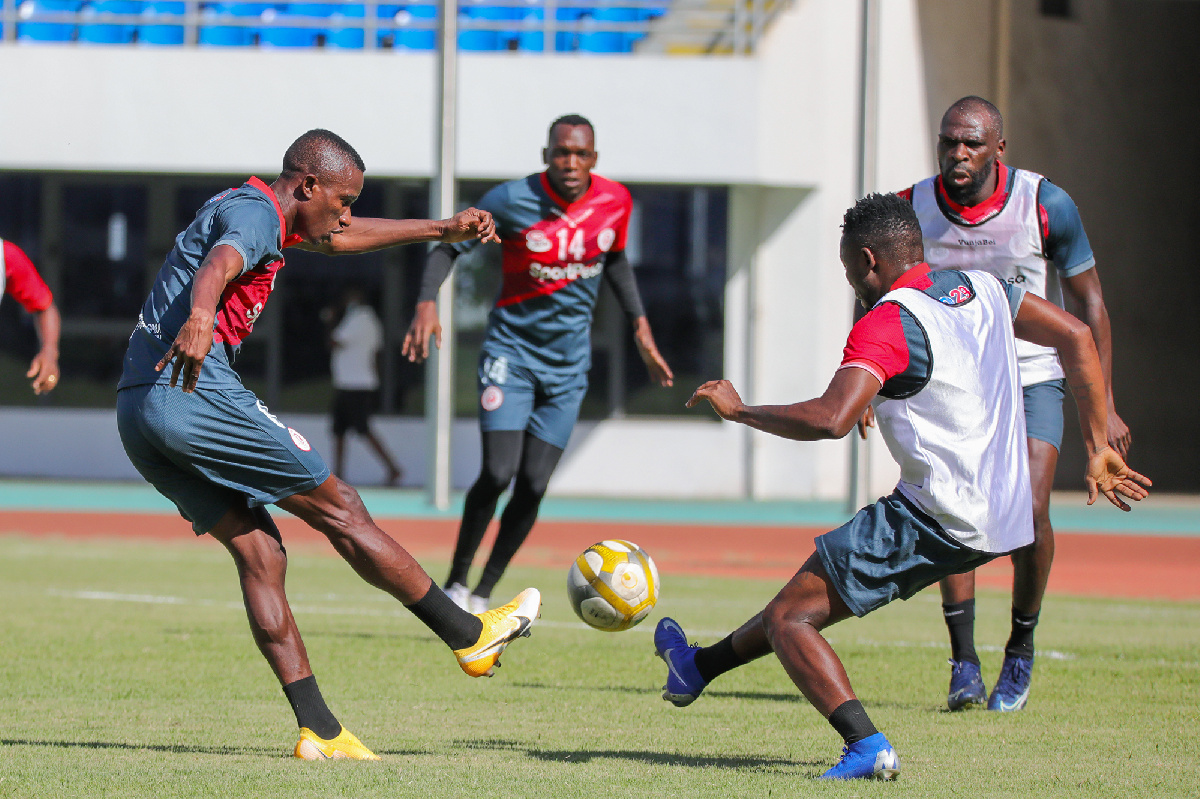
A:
(613, 585)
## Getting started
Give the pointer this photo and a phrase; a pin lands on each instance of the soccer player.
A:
(980, 214)
(20, 279)
(215, 450)
(561, 232)
(936, 356)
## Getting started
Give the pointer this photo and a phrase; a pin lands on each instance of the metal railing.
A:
(643, 26)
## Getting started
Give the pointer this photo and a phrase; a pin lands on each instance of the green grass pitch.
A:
(126, 669)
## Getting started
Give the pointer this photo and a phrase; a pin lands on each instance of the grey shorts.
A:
(891, 550)
(1044, 411)
(213, 450)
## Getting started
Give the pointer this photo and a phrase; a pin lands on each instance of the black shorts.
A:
(352, 410)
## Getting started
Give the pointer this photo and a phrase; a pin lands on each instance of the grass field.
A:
(127, 669)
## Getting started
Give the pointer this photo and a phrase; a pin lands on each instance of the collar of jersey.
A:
(974, 214)
(911, 276)
(284, 239)
(545, 179)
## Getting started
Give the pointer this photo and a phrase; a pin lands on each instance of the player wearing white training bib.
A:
(935, 355)
(978, 213)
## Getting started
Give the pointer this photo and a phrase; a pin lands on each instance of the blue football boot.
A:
(684, 682)
(871, 758)
(966, 685)
(1012, 689)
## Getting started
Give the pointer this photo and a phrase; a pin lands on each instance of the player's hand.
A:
(470, 224)
(424, 324)
(1119, 437)
(866, 420)
(657, 366)
(189, 350)
(1107, 474)
(721, 395)
(44, 371)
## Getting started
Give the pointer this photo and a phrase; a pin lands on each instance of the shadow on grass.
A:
(650, 757)
(761, 696)
(134, 747)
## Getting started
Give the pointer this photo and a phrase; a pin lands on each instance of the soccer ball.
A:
(613, 585)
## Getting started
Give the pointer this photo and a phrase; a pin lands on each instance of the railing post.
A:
(370, 24)
(10, 20)
(191, 23)
(550, 27)
(739, 27)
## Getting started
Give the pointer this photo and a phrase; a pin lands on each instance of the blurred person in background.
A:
(20, 279)
(355, 342)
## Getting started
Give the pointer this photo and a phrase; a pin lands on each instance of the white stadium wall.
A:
(780, 128)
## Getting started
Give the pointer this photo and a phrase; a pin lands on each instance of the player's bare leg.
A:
(393, 468)
(793, 622)
(1031, 571)
(336, 510)
(253, 541)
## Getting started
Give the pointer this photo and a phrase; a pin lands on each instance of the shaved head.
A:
(322, 153)
(977, 106)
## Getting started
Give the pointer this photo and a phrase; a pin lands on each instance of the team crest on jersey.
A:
(537, 241)
(491, 398)
(606, 238)
(299, 440)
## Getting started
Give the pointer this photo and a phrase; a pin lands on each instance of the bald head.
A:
(322, 153)
(980, 108)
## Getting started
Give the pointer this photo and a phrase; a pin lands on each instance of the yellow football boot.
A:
(501, 627)
(344, 747)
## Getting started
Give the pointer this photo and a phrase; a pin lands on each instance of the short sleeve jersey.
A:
(357, 339)
(21, 280)
(249, 220)
(888, 341)
(553, 255)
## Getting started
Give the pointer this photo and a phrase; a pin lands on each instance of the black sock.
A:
(713, 661)
(1020, 642)
(852, 722)
(960, 621)
(310, 708)
(451, 623)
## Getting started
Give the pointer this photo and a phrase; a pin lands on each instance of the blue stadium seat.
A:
(565, 41)
(351, 37)
(608, 41)
(47, 31)
(160, 12)
(492, 38)
(276, 31)
(107, 32)
(412, 39)
(217, 35)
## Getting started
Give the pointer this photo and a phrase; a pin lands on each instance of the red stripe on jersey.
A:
(23, 282)
(974, 214)
(244, 298)
(905, 193)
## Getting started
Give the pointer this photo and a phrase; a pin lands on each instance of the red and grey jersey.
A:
(1016, 234)
(19, 278)
(949, 407)
(553, 259)
(249, 220)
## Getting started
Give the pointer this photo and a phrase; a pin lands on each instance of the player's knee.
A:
(782, 615)
(344, 514)
(495, 477)
(532, 486)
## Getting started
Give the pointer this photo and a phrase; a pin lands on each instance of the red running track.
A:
(1143, 566)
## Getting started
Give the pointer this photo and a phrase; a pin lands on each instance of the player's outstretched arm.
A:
(1045, 323)
(366, 234)
(195, 338)
(832, 415)
(43, 369)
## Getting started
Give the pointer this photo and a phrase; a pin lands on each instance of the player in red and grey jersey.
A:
(980, 214)
(20, 280)
(562, 232)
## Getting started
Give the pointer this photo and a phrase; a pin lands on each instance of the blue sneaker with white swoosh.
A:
(684, 682)
(1012, 689)
(871, 758)
(966, 685)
